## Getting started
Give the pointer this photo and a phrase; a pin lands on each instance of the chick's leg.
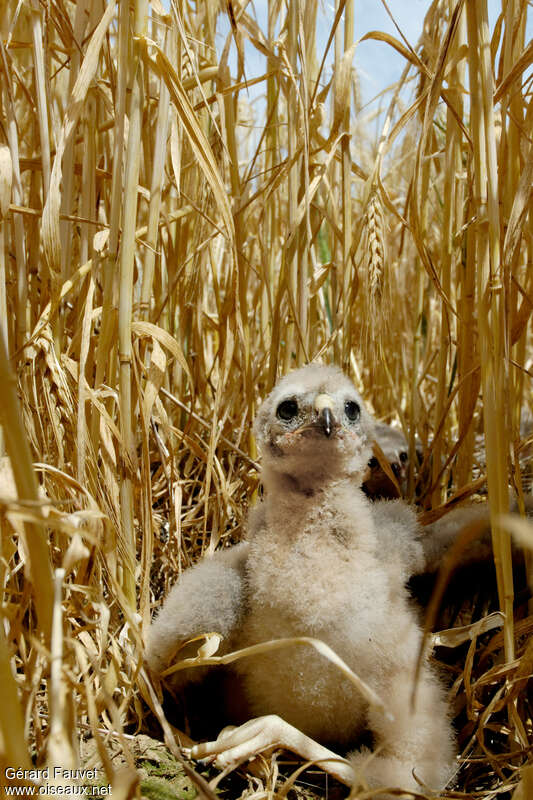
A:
(267, 733)
(414, 747)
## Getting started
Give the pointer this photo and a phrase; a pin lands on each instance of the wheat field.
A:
(168, 248)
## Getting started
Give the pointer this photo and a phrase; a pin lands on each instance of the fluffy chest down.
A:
(314, 579)
(319, 578)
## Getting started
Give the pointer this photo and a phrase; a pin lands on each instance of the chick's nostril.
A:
(396, 468)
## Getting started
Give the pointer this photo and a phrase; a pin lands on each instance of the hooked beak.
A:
(323, 406)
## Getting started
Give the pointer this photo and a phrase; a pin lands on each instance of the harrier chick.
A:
(394, 448)
(322, 561)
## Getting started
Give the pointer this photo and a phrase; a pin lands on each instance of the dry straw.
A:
(169, 246)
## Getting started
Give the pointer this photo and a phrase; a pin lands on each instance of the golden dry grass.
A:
(160, 267)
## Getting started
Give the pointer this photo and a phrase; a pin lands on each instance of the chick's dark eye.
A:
(352, 410)
(403, 456)
(373, 463)
(287, 410)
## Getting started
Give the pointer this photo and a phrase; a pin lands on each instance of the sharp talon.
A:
(206, 761)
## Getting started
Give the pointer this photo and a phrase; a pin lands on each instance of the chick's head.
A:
(314, 421)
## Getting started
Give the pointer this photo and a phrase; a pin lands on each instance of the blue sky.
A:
(378, 64)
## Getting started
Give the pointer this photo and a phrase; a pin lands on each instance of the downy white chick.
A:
(393, 445)
(321, 561)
